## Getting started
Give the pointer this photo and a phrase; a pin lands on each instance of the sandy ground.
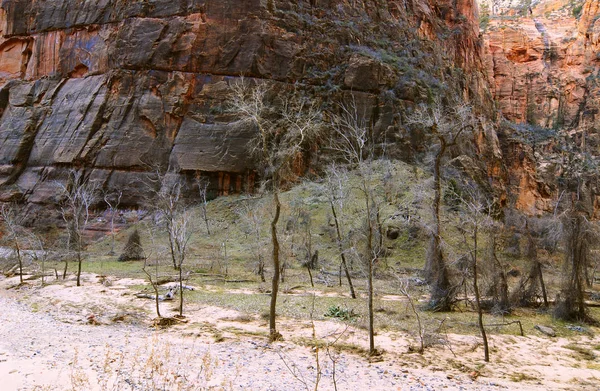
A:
(99, 337)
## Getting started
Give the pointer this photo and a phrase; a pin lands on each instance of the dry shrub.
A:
(157, 365)
(133, 250)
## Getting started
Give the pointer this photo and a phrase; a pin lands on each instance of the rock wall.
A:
(116, 87)
(544, 70)
(544, 66)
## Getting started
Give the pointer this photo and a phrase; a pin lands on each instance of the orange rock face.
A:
(14, 57)
(544, 70)
(538, 71)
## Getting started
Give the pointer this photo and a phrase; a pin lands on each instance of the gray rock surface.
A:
(117, 87)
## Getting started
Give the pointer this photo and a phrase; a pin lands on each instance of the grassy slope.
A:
(228, 280)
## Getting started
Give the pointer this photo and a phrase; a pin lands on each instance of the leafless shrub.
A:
(133, 250)
(78, 197)
(476, 212)
(354, 143)
(202, 184)
(251, 219)
(285, 126)
(171, 211)
(14, 232)
(579, 234)
(113, 200)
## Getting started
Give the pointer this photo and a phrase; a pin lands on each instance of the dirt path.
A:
(47, 344)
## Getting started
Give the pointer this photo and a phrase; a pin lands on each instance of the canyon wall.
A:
(119, 87)
(543, 63)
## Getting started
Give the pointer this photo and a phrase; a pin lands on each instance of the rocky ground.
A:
(98, 337)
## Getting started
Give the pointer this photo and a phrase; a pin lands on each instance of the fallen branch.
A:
(176, 287)
(166, 322)
(168, 296)
(507, 324)
(11, 272)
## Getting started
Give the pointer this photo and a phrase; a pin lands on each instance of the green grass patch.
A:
(520, 376)
(582, 352)
(335, 311)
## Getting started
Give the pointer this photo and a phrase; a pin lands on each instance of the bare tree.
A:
(182, 228)
(421, 328)
(354, 143)
(78, 197)
(476, 217)
(498, 288)
(284, 126)
(337, 180)
(203, 192)
(225, 257)
(166, 200)
(113, 200)
(153, 283)
(41, 245)
(531, 287)
(304, 223)
(251, 219)
(14, 231)
(447, 124)
(172, 212)
(579, 234)
(578, 179)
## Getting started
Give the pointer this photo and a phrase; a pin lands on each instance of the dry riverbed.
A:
(99, 337)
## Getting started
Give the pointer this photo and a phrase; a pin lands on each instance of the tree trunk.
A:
(312, 284)
(112, 232)
(43, 269)
(435, 257)
(478, 300)
(501, 292)
(261, 268)
(341, 250)
(205, 216)
(155, 287)
(273, 334)
(79, 260)
(436, 272)
(180, 288)
(371, 260)
(570, 304)
(156, 300)
(172, 244)
(372, 350)
(542, 284)
(20, 259)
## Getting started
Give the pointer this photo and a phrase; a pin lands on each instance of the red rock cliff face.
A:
(544, 68)
(541, 66)
(116, 86)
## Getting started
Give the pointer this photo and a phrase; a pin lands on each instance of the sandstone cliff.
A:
(118, 86)
(543, 61)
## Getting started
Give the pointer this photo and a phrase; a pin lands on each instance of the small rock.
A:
(576, 328)
(474, 375)
(549, 331)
